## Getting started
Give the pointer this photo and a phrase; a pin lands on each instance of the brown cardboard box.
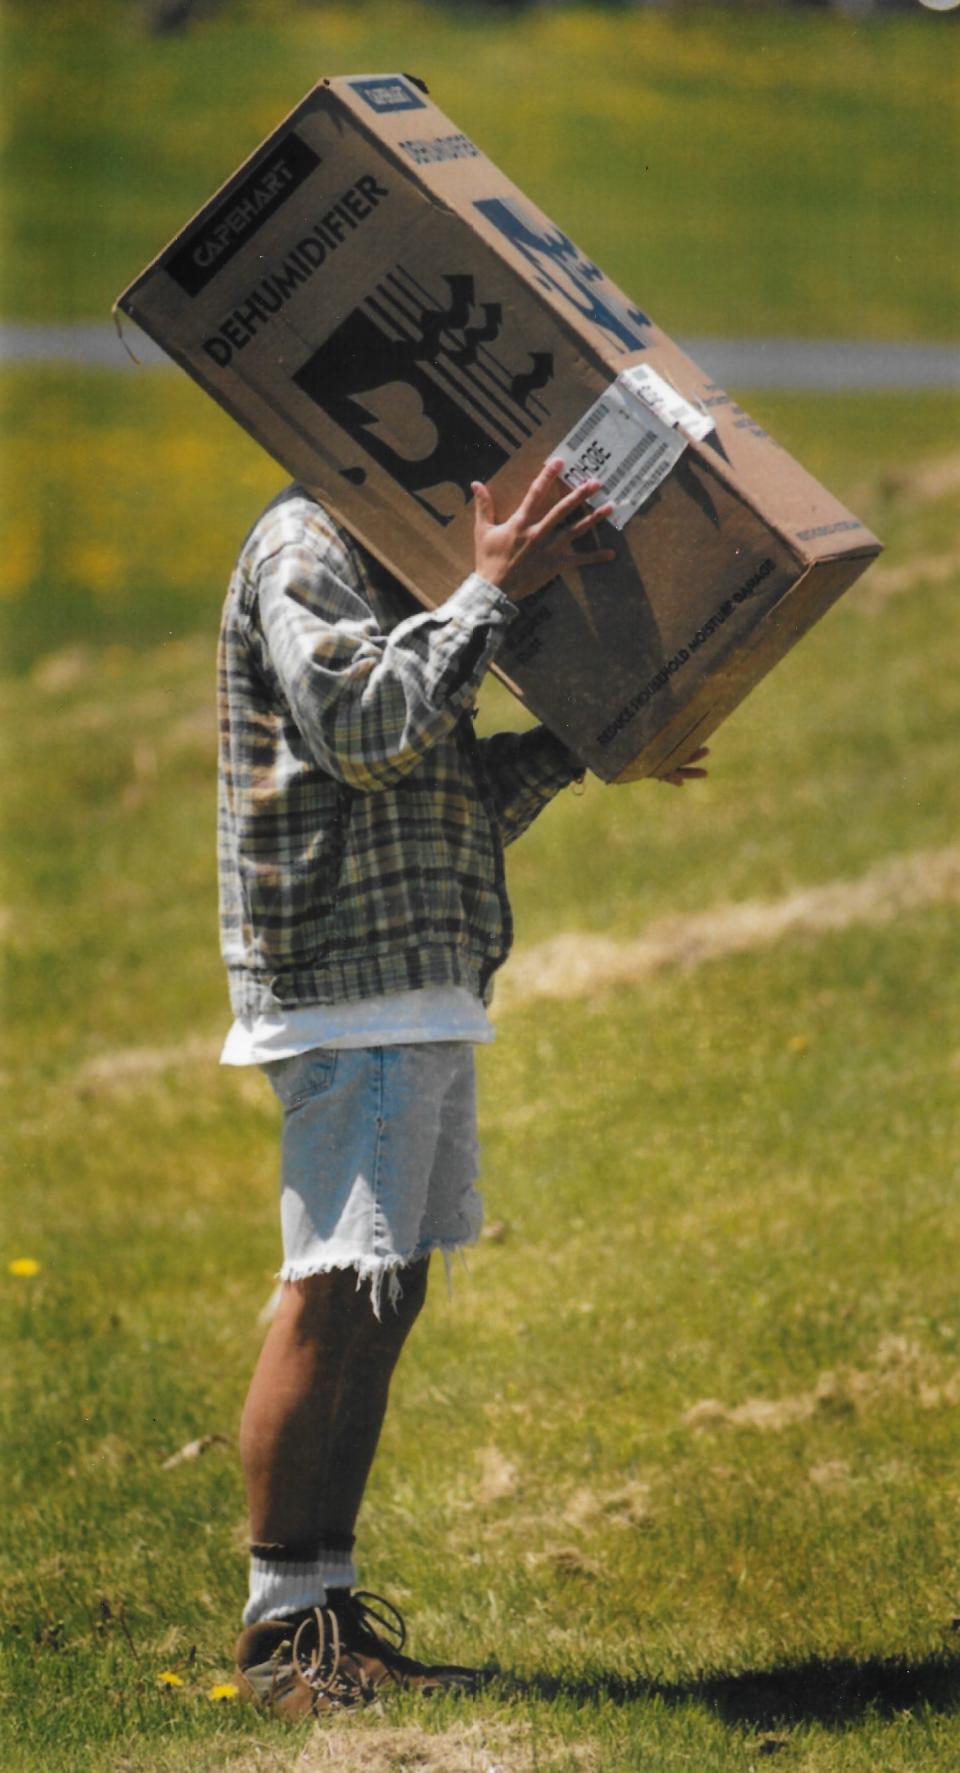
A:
(392, 319)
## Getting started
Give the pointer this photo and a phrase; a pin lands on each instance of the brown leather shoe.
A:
(372, 1636)
(296, 1666)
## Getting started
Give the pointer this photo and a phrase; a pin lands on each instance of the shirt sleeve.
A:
(525, 771)
(367, 703)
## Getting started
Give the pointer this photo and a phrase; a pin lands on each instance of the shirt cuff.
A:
(477, 603)
(573, 767)
(560, 760)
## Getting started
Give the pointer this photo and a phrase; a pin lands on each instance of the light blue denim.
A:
(379, 1159)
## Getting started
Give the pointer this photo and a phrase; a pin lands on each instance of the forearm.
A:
(370, 703)
(525, 771)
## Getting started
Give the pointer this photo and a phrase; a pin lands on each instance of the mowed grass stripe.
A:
(576, 964)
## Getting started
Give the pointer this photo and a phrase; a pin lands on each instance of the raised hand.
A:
(531, 547)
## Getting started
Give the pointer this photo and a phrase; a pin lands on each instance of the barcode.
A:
(587, 426)
(639, 451)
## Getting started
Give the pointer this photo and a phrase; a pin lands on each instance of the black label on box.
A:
(222, 233)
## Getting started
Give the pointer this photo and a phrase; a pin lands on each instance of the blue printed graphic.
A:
(560, 266)
(388, 95)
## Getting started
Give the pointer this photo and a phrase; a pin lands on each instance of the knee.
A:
(320, 1302)
(413, 1289)
(316, 1301)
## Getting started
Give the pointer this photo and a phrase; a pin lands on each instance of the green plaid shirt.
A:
(361, 821)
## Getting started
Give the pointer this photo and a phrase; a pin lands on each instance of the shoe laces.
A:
(376, 1618)
(322, 1667)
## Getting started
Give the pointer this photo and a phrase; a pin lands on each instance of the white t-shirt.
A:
(438, 1012)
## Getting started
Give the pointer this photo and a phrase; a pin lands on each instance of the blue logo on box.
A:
(388, 95)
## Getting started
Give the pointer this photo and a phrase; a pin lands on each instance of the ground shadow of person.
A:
(833, 1692)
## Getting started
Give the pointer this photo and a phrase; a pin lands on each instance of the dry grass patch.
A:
(357, 1746)
(499, 1478)
(922, 485)
(627, 1506)
(134, 1065)
(901, 1368)
(576, 964)
(906, 575)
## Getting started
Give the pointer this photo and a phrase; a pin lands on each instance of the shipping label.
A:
(622, 443)
(673, 408)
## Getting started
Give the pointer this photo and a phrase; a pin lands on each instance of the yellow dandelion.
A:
(798, 1043)
(226, 1690)
(166, 1678)
(24, 1266)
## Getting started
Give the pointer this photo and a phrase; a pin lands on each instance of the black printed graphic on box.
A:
(299, 264)
(413, 381)
(238, 218)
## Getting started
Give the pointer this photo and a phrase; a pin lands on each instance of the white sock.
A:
(286, 1579)
(282, 1585)
(338, 1567)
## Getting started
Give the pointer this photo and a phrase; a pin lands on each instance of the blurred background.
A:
(731, 1031)
(757, 172)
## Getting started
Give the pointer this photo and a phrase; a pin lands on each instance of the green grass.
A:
(729, 1184)
(760, 172)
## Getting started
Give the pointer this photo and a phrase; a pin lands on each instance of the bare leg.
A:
(316, 1403)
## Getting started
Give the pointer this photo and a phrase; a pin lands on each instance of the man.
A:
(363, 916)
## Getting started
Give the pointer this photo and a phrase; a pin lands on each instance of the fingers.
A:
(562, 511)
(536, 496)
(483, 502)
(564, 541)
(677, 778)
(687, 772)
(590, 521)
(530, 514)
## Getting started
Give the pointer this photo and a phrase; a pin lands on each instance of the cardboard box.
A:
(392, 319)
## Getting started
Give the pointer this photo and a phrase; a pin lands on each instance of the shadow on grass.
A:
(833, 1692)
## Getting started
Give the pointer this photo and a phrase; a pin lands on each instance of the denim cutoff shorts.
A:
(378, 1158)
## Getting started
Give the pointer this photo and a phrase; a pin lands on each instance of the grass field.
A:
(727, 1182)
(680, 1451)
(736, 172)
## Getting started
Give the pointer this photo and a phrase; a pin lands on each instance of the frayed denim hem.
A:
(378, 1269)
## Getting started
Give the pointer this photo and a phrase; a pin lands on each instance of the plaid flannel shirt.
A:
(361, 821)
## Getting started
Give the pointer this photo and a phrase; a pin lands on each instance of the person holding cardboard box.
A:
(363, 916)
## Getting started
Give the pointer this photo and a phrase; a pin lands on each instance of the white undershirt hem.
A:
(401, 1018)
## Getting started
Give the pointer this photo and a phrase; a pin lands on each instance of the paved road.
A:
(801, 365)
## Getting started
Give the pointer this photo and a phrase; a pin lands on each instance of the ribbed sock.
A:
(285, 1579)
(336, 1560)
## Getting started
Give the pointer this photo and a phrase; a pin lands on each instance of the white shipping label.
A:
(622, 443)
(672, 407)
